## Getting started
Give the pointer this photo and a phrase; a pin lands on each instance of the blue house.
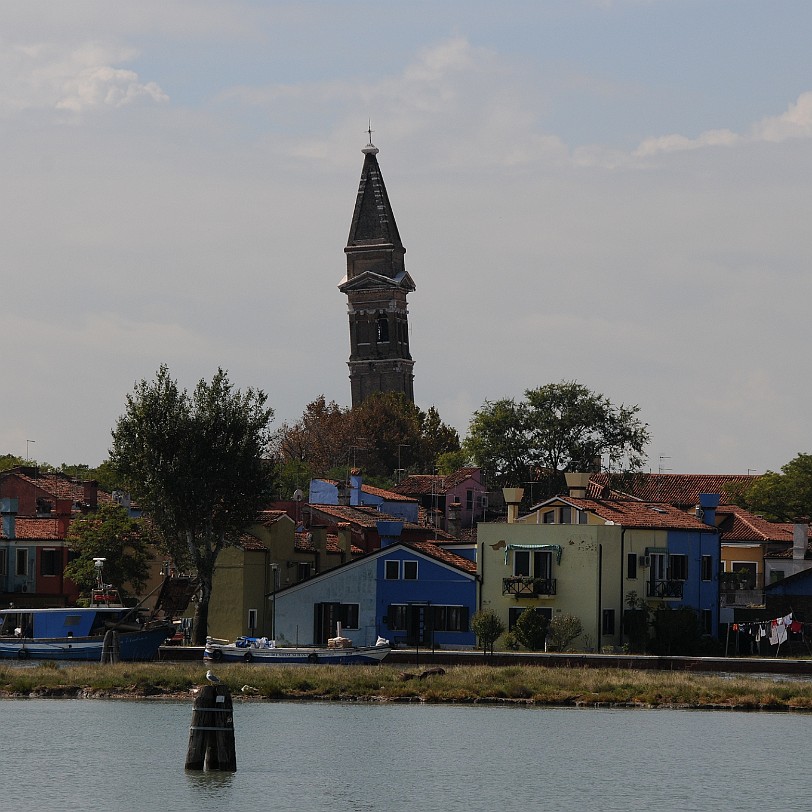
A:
(413, 593)
(356, 494)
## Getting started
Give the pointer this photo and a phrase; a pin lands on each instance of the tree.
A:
(558, 427)
(531, 629)
(563, 630)
(384, 433)
(487, 626)
(109, 532)
(195, 465)
(784, 497)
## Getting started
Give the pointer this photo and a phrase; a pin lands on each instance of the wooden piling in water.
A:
(110, 647)
(211, 736)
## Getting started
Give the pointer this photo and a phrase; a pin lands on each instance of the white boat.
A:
(338, 651)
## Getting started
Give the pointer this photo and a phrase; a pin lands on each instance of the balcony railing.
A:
(664, 589)
(526, 587)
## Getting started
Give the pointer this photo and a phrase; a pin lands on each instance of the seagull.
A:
(212, 677)
(249, 690)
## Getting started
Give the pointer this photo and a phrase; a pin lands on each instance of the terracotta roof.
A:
(268, 517)
(739, 524)
(430, 549)
(637, 514)
(361, 515)
(425, 484)
(58, 486)
(47, 529)
(390, 496)
(303, 543)
(676, 489)
(250, 543)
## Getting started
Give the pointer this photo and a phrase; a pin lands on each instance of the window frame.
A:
(410, 570)
(391, 564)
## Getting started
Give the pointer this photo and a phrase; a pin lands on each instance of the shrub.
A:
(563, 630)
(531, 629)
(487, 626)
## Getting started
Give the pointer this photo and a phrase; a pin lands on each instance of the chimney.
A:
(343, 494)
(8, 516)
(512, 496)
(706, 510)
(577, 484)
(345, 541)
(389, 532)
(453, 525)
(90, 493)
(800, 541)
(318, 533)
(355, 487)
(63, 516)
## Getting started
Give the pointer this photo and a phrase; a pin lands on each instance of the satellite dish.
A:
(298, 495)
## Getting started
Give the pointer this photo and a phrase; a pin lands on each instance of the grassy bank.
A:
(464, 684)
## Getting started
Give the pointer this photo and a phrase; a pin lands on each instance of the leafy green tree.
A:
(531, 629)
(487, 626)
(784, 497)
(558, 427)
(437, 439)
(194, 462)
(9, 461)
(563, 630)
(110, 533)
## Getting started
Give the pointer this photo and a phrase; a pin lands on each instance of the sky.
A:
(614, 192)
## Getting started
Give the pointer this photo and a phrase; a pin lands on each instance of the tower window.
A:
(383, 329)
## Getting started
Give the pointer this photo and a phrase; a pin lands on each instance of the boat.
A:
(80, 632)
(338, 651)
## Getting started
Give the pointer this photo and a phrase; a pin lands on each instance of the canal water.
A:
(129, 755)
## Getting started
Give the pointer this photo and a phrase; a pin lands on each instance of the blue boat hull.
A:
(136, 645)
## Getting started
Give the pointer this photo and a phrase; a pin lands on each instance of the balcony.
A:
(664, 589)
(741, 589)
(527, 587)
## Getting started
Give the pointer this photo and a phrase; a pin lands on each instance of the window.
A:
(631, 566)
(450, 618)
(410, 570)
(396, 617)
(678, 568)
(608, 625)
(469, 500)
(566, 515)
(3, 562)
(49, 562)
(303, 571)
(536, 563)
(706, 618)
(775, 575)
(746, 574)
(252, 619)
(583, 518)
(22, 561)
(391, 570)
(383, 329)
(521, 563)
(515, 611)
(348, 615)
(549, 517)
(707, 567)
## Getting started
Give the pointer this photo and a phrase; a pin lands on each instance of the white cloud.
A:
(49, 76)
(796, 122)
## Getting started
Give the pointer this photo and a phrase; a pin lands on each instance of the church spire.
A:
(376, 285)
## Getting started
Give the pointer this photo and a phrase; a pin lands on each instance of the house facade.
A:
(593, 559)
(452, 502)
(409, 592)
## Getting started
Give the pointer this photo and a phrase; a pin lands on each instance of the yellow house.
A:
(589, 558)
(270, 555)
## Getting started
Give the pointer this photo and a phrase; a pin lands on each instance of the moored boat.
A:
(79, 632)
(338, 651)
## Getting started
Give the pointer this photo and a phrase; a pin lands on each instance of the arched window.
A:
(383, 328)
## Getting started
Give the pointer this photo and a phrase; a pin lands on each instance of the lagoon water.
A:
(129, 755)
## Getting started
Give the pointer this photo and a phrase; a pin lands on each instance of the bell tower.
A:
(376, 286)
